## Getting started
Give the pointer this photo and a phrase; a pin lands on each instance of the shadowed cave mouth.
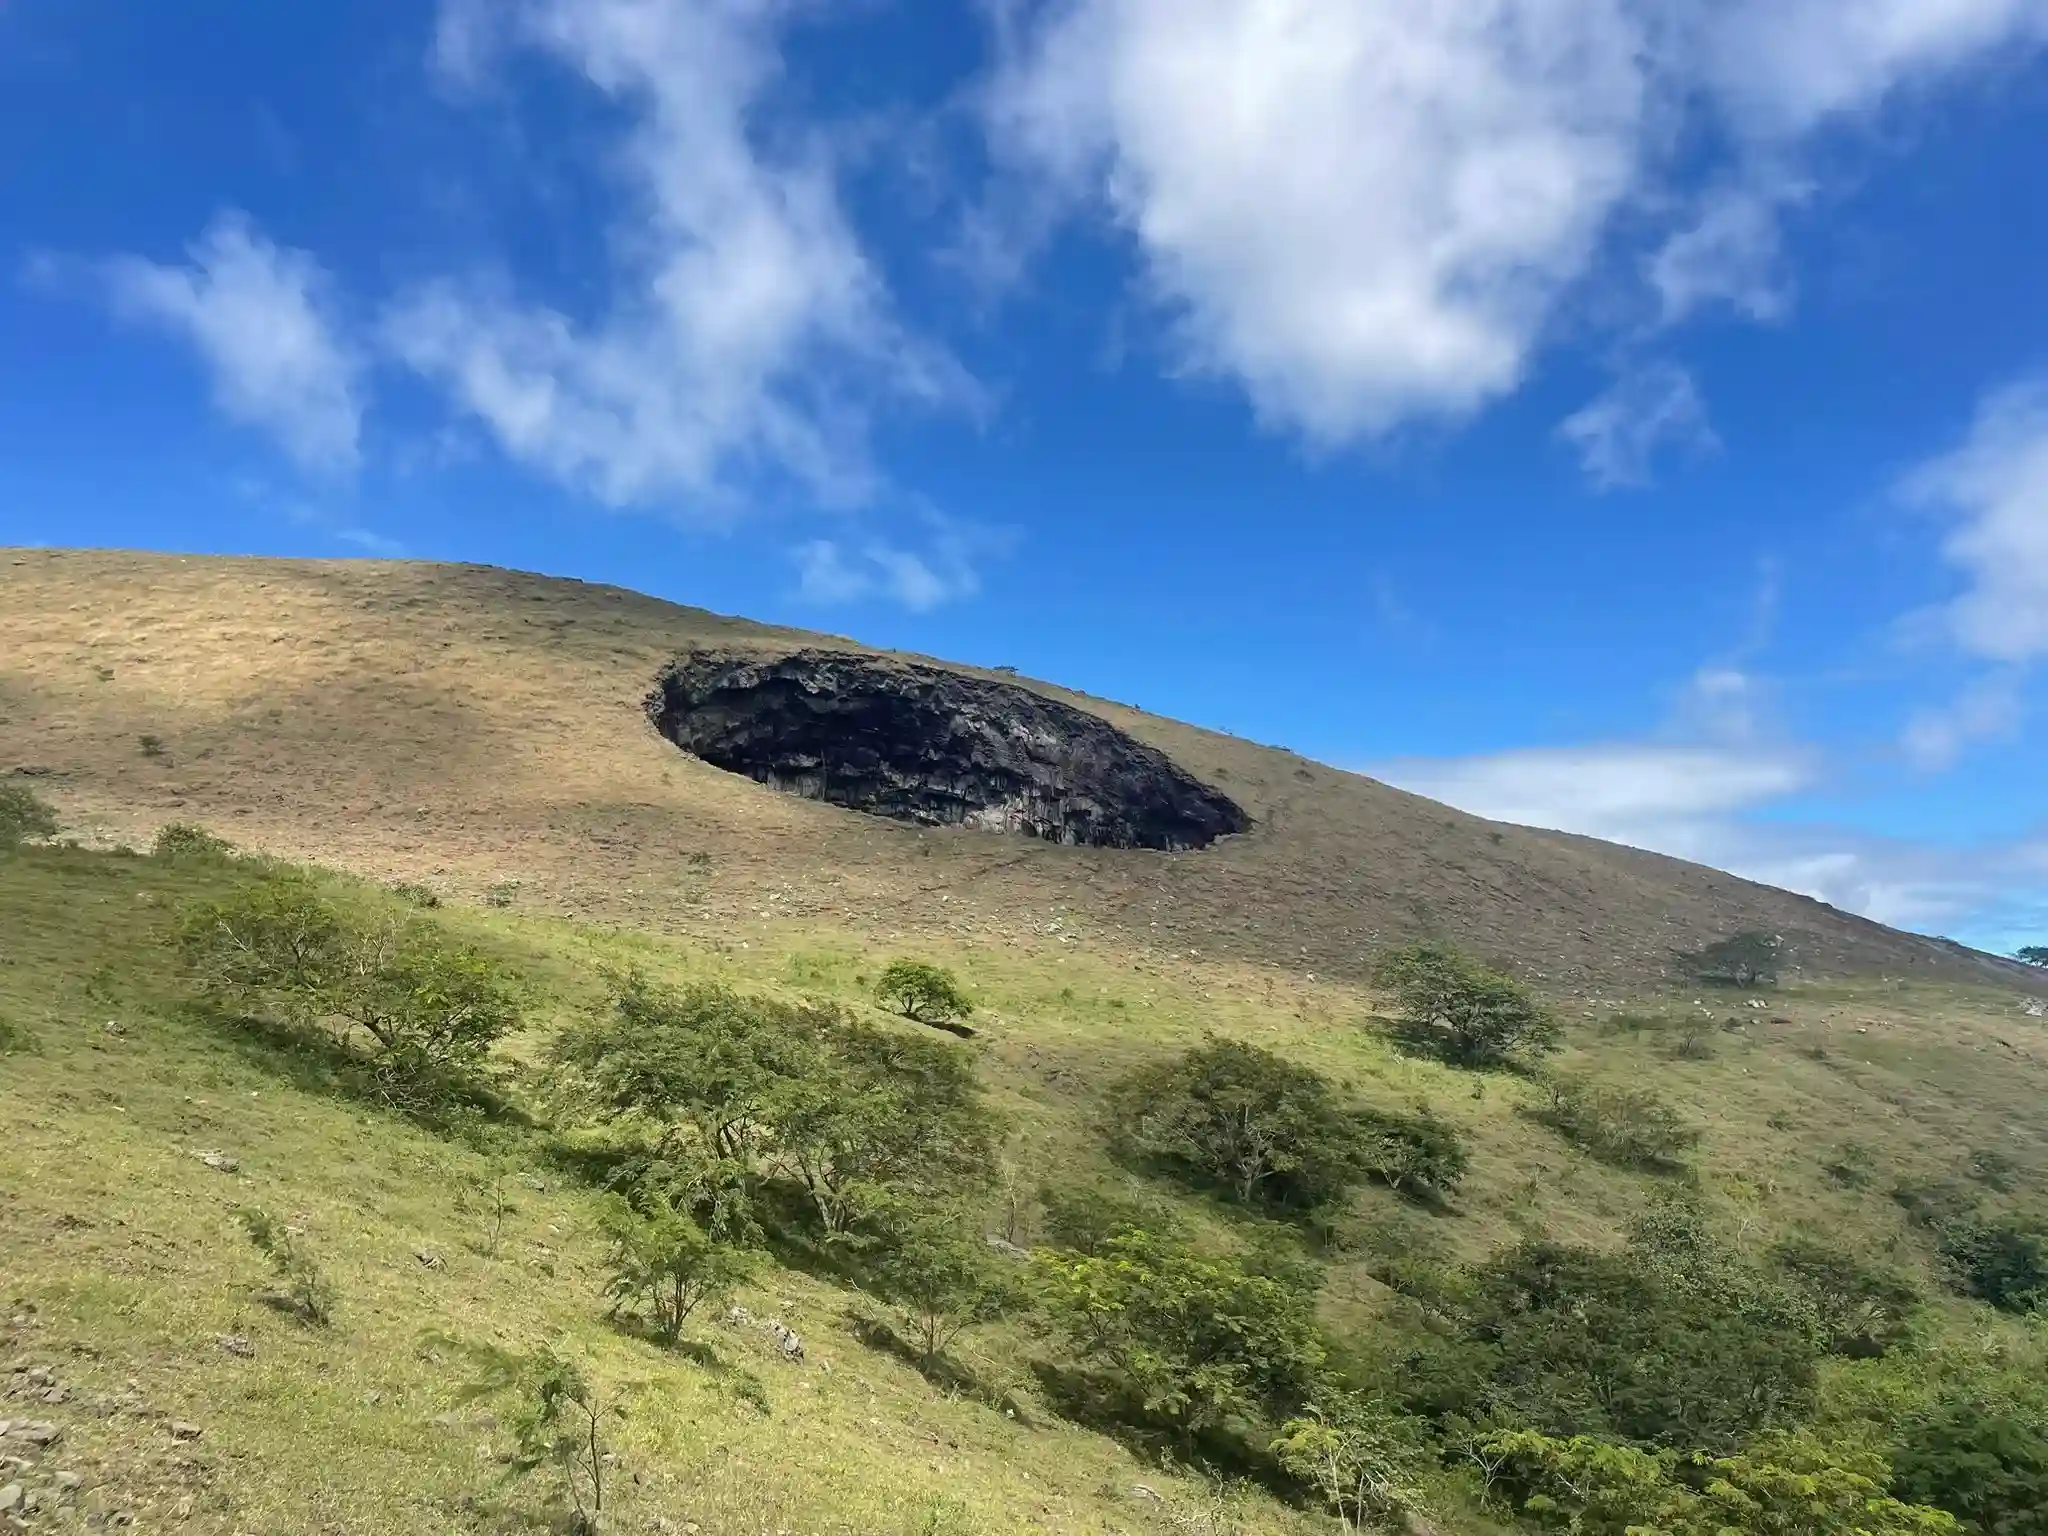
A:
(934, 748)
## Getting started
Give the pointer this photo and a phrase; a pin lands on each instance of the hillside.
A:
(506, 746)
(485, 729)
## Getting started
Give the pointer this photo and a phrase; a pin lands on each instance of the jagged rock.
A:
(181, 1430)
(936, 748)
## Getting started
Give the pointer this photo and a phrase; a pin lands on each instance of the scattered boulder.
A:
(219, 1162)
(182, 1430)
(236, 1344)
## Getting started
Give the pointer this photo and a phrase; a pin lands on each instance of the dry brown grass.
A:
(473, 727)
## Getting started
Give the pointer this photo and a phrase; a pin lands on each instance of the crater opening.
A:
(934, 748)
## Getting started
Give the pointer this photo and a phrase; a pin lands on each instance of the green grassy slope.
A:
(121, 1269)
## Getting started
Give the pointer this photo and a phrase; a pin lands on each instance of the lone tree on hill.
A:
(23, 814)
(1747, 959)
(1462, 1012)
(926, 993)
(2032, 954)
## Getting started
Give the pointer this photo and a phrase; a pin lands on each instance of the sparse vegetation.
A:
(558, 1419)
(24, 816)
(1462, 1012)
(1628, 1127)
(304, 1289)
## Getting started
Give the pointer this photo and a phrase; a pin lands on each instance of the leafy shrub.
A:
(430, 1009)
(1263, 1128)
(304, 1289)
(1462, 1012)
(1983, 1460)
(2002, 1260)
(936, 1267)
(663, 1259)
(1419, 1156)
(927, 993)
(1786, 1485)
(1861, 1310)
(416, 895)
(182, 842)
(1669, 1348)
(1936, 1204)
(2032, 954)
(1188, 1340)
(557, 1417)
(1628, 1127)
(736, 1088)
(1084, 1218)
(1273, 1133)
(1748, 959)
(1362, 1456)
(24, 815)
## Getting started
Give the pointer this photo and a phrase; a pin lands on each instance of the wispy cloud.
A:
(945, 568)
(1650, 409)
(747, 331)
(261, 317)
(1373, 213)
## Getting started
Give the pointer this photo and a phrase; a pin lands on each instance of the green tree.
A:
(1361, 1455)
(1661, 1350)
(429, 1008)
(183, 842)
(1982, 1459)
(924, 992)
(2002, 1260)
(557, 1417)
(1419, 1155)
(24, 815)
(1265, 1129)
(881, 1115)
(1785, 1485)
(935, 1266)
(662, 1259)
(1191, 1341)
(705, 1057)
(1861, 1310)
(2032, 954)
(1461, 1011)
(1747, 959)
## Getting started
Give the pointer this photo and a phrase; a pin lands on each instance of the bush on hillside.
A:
(926, 993)
(427, 1008)
(1462, 1012)
(183, 842)
(935, 1266)
(1185, 1341)
(2000, 1260)
(1627, 1127)
(1361, 1456)
(661, 1259)
(24, 816)
(1983, 1459)
(1674, 1348)
(1747, 959)
(2032, 954)
(1420, 1156)
(1785, 1485)
(735, 1090)
(558, 1419)
(1861, 1310)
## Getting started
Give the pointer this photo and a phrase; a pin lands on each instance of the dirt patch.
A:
(936, 748)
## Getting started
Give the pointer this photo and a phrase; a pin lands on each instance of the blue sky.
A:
(1622, 415)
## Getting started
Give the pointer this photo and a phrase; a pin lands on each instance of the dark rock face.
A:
(922, 745)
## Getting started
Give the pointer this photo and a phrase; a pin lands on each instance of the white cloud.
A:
(1643, 794)
(830, 572)
(1990, 709)
(1697, 803)
(1994, 488)
(261, 319)
(1370, 212)
(748, 330)
(1648, 409)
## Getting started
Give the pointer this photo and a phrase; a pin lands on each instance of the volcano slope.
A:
(482, 728)
(1110, 887)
